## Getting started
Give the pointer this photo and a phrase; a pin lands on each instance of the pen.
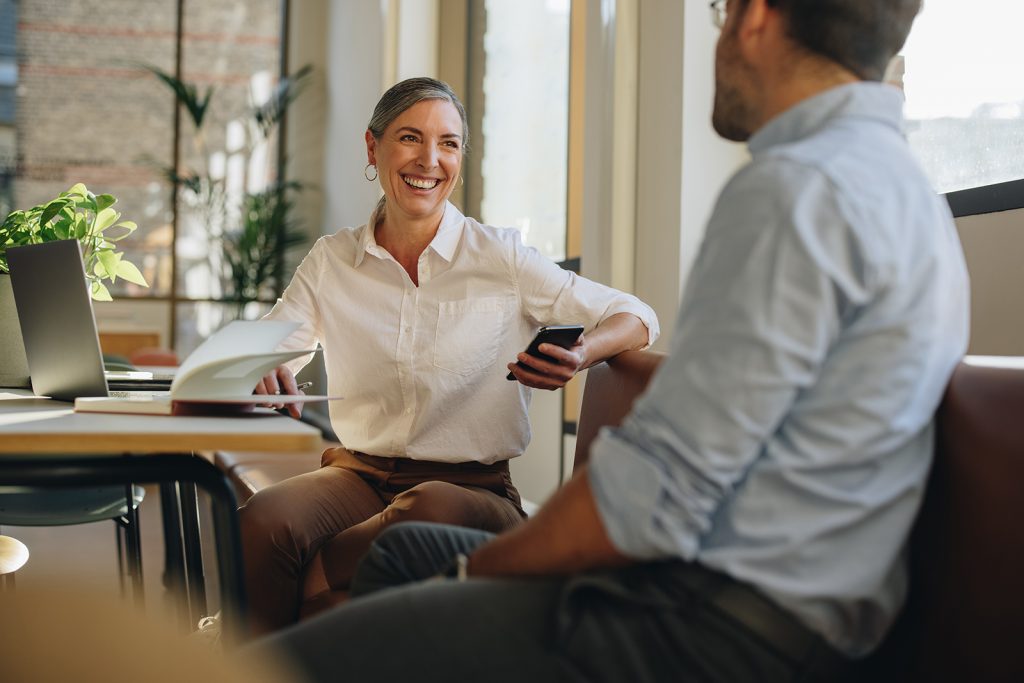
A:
(304, 385)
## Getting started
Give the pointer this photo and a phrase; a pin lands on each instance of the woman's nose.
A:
(428, 156)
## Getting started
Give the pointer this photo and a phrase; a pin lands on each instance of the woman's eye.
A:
(408, 138)
(452, 144)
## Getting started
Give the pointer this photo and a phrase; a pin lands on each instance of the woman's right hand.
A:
(280, 381)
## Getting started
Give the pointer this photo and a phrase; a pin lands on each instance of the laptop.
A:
(58, 327)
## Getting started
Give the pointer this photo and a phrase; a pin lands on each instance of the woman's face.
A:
(418, 158)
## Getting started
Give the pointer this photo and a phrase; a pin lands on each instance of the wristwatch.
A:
(459, 568)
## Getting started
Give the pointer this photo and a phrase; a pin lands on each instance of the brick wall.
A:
(86, 111)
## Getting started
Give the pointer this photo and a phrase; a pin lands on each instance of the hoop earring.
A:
(367, 175)
(462, 180)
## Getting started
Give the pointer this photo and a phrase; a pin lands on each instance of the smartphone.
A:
(560, 335)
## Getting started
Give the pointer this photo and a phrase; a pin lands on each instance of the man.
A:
(747, 521)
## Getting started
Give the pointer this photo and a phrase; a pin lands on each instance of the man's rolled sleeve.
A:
(627, 487)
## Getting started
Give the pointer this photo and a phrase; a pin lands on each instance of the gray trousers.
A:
(647, 622)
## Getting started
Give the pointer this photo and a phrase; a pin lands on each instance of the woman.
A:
(416, 311)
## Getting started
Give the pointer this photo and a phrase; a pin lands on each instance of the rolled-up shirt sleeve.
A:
(552, 295)
(761, 309)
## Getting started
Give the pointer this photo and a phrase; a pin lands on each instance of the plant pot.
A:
(13, 366)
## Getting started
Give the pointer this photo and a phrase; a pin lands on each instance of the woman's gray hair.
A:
(403, 95)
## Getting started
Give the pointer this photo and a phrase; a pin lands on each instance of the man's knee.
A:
(412, 551)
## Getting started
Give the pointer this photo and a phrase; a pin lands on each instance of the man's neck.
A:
(787, 88)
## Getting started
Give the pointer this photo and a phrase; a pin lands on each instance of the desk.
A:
(45, 443)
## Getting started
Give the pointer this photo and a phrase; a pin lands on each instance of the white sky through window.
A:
(962, 54)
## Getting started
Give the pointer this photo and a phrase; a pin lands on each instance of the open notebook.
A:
(219, 376)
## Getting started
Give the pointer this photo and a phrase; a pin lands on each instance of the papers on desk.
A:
(216, 378)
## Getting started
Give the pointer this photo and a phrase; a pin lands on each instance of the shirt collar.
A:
(444, 243)
(865, 100)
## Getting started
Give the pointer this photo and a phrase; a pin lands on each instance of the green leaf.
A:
(104, 219)
(107, 260)
(128, 226)
(186, 93)
(87, 203)
(129, 272)
(81, 227)
(79, 189)
(100, 292)
(52, 209)
(105, 200)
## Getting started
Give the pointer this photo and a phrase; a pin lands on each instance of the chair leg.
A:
(133, 543)
(7, 579)
(119, 532)
(193, 552)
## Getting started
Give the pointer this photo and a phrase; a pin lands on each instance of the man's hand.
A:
(280, 381)
(566, 536)
(543, 374)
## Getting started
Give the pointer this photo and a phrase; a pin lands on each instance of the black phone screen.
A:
(560, 335)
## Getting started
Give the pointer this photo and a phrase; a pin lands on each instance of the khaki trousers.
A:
(339, 509)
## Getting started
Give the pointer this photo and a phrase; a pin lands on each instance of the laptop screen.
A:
(57, 323)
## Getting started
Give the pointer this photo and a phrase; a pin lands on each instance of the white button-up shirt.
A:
(422, 368)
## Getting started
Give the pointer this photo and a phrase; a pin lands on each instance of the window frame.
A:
(1005, 196)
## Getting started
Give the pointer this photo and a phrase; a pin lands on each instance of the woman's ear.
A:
(371, 147)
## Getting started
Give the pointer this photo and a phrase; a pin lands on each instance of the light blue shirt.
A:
(787, 438)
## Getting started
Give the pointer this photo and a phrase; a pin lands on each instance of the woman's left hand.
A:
(542, 374)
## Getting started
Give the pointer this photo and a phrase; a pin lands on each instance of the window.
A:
(965, 98)
(78, 105)
(519, 145)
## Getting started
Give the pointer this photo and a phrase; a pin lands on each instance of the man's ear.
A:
(371, 148)
(752, 26)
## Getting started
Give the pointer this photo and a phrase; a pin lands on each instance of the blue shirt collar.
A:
(863, 100)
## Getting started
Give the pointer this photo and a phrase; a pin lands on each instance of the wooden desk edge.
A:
(88, 443)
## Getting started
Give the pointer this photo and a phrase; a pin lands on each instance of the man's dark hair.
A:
(860, 35)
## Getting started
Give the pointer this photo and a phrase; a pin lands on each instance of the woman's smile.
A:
(421, 183)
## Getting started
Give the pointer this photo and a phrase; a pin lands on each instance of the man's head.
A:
(854, 39)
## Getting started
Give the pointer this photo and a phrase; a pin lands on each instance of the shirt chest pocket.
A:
(469, 333)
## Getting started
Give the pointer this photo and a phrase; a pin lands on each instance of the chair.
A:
(962, 616)
(25, 506)
(153, 355)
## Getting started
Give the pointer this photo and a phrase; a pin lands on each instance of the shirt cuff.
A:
(627, 489)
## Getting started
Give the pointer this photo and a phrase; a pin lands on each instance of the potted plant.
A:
(248, 234)
(76, 214)
(81, 215)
